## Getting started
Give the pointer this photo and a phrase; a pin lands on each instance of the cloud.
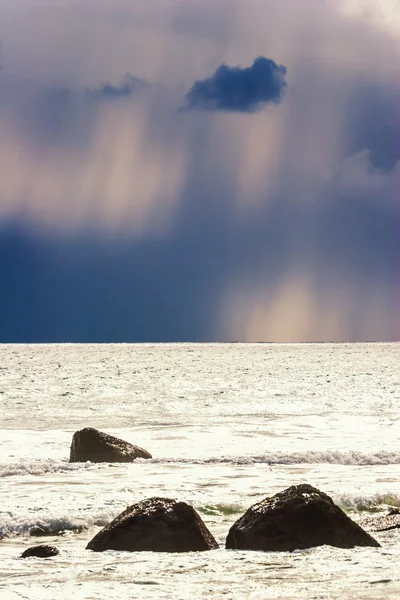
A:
(128, 86)
(239, 89)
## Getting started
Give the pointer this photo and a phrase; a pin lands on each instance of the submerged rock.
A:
(45, 530)
(299, 517)
(91, 444)
(383, 523)
(42, 551)
(157, 525)
(394, 511)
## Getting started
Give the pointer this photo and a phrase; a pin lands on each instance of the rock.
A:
(383, 523)
(394, 511)
(41, 551)
(43, 530)
(37, 531)
(157, 525)
(299, 517)
(91, 444)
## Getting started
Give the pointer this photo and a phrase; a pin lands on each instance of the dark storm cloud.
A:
(127, 87)
(239, 89)
(91, 289)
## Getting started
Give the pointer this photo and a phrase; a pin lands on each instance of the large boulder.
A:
(299, 517)
(91, 444)
(42, 551)
(158, 525)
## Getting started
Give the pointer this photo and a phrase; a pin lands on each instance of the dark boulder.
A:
(90, 444)
(41, 551)
(299, 517)
(157, 525)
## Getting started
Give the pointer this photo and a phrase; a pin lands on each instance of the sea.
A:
(227, 425)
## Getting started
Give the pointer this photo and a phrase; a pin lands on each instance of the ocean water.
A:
(227, 425)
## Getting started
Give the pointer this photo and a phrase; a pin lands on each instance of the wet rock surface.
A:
(299, 517)
(41, 551)
(92, 445)
(158, 525)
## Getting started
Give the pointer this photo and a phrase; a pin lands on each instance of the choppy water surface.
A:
(227, 425)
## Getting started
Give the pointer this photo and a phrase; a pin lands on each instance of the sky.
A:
(199, 170)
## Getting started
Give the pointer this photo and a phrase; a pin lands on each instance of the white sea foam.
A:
(375, 502)
(43, 467)
(50, 525)
(227, 425)
(78, 521)
(296, 458)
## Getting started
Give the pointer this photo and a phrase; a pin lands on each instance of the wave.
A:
(294, 458)
(43, 467)
(50, 526)
(53, 525)
(373, 503)
(351, 458)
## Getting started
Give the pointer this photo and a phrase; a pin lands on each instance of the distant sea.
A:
(227, 425)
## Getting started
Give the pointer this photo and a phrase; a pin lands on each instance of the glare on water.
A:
(227, 424)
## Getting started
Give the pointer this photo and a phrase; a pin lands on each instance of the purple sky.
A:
(160, 181)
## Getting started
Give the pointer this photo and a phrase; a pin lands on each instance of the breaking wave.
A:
(351, 458)
(43, 467)
(296, 458)
(53, 525)
(373, 503)
(49, 526)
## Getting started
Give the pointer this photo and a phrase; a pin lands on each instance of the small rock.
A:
(42, 551)
(96, 446)
(157, 525)
(43, 530)
(37, 531)
(299, 517)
